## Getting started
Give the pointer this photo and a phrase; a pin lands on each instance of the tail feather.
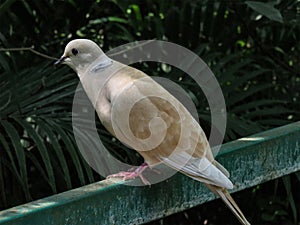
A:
(230, 203)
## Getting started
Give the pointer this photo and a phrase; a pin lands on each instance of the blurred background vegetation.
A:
(252, 47)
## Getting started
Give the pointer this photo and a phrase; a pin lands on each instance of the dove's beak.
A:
(60, 61)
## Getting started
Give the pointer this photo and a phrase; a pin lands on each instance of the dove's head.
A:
(80, 54)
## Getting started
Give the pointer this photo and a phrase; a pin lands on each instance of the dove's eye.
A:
(74, 51)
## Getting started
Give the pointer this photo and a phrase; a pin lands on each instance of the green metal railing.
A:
(250, 161)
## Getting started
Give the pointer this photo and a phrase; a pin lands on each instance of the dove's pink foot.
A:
(129, 175)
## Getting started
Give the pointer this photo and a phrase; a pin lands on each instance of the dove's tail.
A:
(230, 203)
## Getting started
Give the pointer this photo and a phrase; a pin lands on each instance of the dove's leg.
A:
(128, 175)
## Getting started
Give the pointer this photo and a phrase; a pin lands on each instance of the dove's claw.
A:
(128, 175)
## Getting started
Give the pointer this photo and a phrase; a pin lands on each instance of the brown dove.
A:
(145, 116)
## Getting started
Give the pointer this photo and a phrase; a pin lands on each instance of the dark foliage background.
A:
(252, 47)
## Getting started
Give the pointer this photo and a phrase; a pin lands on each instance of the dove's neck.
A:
(85, 68)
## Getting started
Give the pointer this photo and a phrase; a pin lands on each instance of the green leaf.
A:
(12, 163)
(18, 177)
(42, 150)
(138, 17)
(275, 110)
(59, 153)
(239, 81)
(298, 175)
(73, 153)
(38, 165)
(20, 155)
(251, 91)
(242, 108)
(287, 184)
(266, 9)
(5, 6)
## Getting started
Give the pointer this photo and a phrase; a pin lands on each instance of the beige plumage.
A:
(159, 127)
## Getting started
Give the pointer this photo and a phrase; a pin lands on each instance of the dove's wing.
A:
(153, 122)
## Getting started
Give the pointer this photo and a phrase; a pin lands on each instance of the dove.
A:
(145, 116)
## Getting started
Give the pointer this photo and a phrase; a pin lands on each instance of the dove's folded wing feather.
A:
(161, 129)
